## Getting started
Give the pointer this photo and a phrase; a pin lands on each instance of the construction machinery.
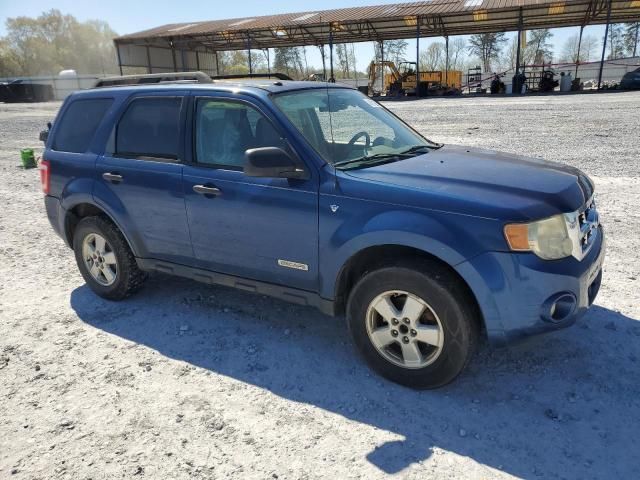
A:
(401, 80)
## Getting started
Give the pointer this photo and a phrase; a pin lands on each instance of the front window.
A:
(348, 129)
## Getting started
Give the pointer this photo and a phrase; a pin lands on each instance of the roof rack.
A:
(146, 79)
(279, 76)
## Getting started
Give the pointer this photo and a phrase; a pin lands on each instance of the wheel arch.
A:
(87, 209)
(378, 256)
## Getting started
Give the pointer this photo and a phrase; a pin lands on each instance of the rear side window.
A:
(79, 123)
(150, 128)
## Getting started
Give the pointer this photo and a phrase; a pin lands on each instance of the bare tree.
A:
(457, 48)
(394, 50)
(616, 43)
(487, 47)
(538, 50)
(570, 48)
(590, 45)
(630, 38)
(433, 57)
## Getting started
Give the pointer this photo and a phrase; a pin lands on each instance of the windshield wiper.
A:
(371, 158)
(418, 148)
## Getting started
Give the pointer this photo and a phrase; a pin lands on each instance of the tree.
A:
(509, 56)
(394, 50)
(288, 60)
(487, 47)
(590, 46)
(346, 59)
(616, 43)
(569, 52)
(630, 38)
(457, 47)
(53, 42)
(433, 58)
(538, 50)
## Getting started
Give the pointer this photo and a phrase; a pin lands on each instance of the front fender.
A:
(448, 237)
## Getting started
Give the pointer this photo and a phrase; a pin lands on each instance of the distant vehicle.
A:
(316, 77)
(631, 80)
(316, 194)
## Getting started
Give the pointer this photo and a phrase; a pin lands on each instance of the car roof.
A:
(250, 86)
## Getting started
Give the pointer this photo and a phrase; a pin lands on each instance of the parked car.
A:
(631, 80)
(316, 194)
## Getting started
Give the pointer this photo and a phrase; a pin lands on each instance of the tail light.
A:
(45, 175)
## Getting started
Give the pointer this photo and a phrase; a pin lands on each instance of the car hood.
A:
(481, 182)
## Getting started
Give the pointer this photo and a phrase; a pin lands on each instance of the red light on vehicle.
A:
(45, 175)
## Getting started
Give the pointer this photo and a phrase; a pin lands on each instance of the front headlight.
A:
(549, 238)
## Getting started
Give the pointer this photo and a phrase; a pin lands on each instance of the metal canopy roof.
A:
(395, 21)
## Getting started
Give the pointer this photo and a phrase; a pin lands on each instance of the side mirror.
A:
(44, 134)
(272, 162)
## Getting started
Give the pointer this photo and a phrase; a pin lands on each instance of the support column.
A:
(324, 62)
(604, 45)
(268, 62)
(148, 60)
(417, 56)
(516, 87)
(249, 54)
(173, 56)
(217, 64)
(197, 61)
(578, 54)
(446, 60)
(331, 78)
(382, 65)
(119, 60)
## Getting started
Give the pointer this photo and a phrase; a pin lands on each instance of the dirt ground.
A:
(190, 381)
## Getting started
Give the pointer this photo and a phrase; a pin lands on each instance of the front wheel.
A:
(414, 326)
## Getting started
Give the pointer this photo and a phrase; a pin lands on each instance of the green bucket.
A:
(28, 158)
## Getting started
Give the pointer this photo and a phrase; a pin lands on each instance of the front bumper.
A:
(520, 294)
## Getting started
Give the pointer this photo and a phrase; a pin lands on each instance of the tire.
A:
(447, 321)
(120, 275)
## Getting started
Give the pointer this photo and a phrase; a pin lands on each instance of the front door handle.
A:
(112, 177)
(207, 190)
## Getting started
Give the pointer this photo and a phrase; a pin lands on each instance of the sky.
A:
(135, 15)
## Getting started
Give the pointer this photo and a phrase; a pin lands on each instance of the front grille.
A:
(588, 221)
(583, 228)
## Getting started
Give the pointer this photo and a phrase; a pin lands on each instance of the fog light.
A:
(559, 307)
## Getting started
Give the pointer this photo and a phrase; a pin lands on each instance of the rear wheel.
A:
(105, 260)
(414, 326)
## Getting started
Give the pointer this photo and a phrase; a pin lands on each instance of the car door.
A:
(259, 228)
(139, 177)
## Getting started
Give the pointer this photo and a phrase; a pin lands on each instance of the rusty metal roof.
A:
(393, 21)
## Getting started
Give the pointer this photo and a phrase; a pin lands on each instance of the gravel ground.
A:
(190, 381)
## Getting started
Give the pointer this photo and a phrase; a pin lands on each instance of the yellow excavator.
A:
(402, 79)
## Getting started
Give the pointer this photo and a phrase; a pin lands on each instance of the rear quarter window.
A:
(79, 123)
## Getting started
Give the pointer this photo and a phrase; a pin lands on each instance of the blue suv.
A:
(318, 195)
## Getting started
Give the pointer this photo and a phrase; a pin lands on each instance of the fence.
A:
(612, 72)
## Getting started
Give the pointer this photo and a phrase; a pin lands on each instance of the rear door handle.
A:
(207, 190)
(112, 177)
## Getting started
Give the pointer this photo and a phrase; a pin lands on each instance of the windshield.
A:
(348, 129)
